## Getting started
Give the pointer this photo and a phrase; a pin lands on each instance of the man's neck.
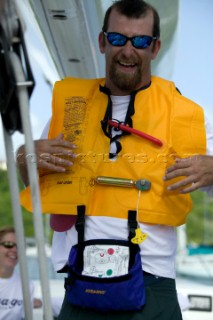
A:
(115, 91)
(6, 272)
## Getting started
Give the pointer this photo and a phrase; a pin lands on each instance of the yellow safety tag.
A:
(139, 236)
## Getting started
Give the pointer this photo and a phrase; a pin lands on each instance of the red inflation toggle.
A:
(134, 131)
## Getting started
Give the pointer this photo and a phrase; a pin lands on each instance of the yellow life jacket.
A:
(160, 111)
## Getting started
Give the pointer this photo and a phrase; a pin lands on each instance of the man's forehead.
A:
(117, 19)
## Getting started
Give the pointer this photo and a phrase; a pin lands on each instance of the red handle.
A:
(134, 131)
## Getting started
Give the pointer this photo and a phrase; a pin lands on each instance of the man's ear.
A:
(156, 48)
(101, 41)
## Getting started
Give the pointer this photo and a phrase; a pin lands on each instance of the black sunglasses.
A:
(8, 244)
(119, 40)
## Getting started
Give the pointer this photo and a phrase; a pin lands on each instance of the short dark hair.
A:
(6, 230)
(133, 9)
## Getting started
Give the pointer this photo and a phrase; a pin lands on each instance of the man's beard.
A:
(125, 81)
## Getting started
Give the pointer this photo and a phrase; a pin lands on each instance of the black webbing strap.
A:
(132, 223)
(128, 119)
(80, 222)
(108, 115)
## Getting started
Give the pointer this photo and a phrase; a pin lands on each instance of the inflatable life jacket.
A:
(79, 106)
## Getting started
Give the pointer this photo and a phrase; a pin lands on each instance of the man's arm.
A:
(197, 170)
(49, 155)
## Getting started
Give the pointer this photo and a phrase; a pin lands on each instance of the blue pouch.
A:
(114, 293)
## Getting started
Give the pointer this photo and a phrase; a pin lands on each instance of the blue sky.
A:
(193, 66)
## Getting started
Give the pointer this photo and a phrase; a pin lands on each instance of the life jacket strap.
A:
(80, 222)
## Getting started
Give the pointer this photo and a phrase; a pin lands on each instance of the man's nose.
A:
(14, 249)
(128, 48)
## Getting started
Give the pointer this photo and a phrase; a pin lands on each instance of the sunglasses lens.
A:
(8, 245)
(116, 39)
(119, 40)
(142, 42)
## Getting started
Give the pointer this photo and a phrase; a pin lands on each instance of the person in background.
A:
(11, 297)
(88, 139)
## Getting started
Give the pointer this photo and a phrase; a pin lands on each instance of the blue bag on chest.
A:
(105, 274)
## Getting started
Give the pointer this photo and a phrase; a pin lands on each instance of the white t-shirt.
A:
(11, 298)
(158, 251)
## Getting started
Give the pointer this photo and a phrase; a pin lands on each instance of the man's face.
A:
(128, 68)
(8, 256)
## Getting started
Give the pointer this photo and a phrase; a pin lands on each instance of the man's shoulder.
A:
(169, 87)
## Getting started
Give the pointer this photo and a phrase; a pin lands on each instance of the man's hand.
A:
(197, 172)
(53, 154)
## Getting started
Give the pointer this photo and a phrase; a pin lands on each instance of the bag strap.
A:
(132, 223)
(80, 222)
